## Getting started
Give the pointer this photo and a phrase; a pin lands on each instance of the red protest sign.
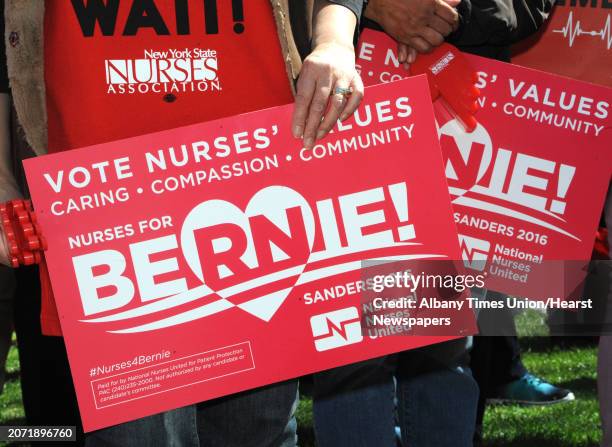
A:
(377, 60)
(528, 185)
(576, 41)
(202, 261)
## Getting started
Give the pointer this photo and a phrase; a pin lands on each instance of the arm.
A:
(329, 66)
(500, 22)
(8, 186)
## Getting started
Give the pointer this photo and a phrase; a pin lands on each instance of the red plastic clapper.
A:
(451, 80)
(22, 233)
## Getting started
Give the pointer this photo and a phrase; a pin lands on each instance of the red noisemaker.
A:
(22, 233)
(26, 246)
(451, 81)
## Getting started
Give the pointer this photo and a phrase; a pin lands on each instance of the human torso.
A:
(120, 68)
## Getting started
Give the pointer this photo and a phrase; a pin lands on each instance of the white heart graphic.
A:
(272, 203)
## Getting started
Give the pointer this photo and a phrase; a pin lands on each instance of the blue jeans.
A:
(264, 417)
(354, 405)
(436, 395)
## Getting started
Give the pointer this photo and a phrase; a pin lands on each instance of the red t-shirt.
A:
(121, 68)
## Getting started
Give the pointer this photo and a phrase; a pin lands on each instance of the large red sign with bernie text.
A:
(206, 260)
(528, 184)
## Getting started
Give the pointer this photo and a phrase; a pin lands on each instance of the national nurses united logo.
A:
(164, 71)
(474, 252)
(335, 329)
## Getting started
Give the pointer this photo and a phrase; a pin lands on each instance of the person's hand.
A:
(419, 24)
(327, 72)
(329, 87)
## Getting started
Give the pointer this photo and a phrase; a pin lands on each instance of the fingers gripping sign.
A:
(329, 87)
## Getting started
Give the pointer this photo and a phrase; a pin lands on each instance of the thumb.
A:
(453, 3)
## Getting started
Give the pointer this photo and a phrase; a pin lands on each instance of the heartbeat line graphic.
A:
(573, 30)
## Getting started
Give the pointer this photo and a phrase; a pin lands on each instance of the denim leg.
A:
(604, 387)
(176, 428)
(437, 401)
(604, 365)
(354, 405)
(263, 417)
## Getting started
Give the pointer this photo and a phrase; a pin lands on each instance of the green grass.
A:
(531, 323)
(11, 410)
(574, 424)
